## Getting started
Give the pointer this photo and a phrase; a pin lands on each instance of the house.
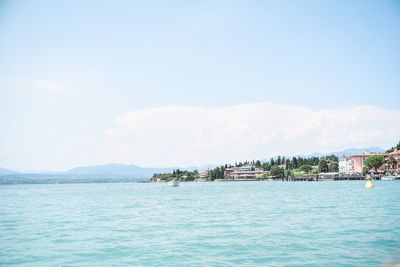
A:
(244, 173)
(355, 163)
(345, 165)
(358, 161)
(203, 175)
(392, 162)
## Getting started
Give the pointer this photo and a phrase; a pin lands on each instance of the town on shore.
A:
(331, 167)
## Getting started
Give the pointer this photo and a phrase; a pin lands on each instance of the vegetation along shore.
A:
(330, 167)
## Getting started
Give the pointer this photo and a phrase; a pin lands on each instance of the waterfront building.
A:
(244, 173)
(357, 162)
(345, 165)
(392, 162)
(203, 175)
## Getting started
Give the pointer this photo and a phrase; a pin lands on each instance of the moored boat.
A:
(173, 182)
(388, 177)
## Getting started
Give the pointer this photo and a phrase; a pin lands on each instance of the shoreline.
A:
(10, 180)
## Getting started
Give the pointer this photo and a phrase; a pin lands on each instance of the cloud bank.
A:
(186, 135)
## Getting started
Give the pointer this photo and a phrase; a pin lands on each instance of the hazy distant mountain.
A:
(136, 172)
(120, 170)
(350, 151)
(199, 168)
(87, 174)
(4, 171)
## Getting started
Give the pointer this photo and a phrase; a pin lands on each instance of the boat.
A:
(388, 177)
(173, 182)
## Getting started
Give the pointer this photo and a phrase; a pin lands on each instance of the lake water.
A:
(201, 224)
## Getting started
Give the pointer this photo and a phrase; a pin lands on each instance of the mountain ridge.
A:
(4, 171)
(134, 171)
(117, 169)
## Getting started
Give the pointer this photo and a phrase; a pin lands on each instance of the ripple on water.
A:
(200, 224)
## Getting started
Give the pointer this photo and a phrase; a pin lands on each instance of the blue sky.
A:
(70, 69)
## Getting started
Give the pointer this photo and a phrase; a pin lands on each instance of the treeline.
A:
(278, 167)
(325, 164)
(217, 173)
(213, 174)
(182, 175)
(296, 166)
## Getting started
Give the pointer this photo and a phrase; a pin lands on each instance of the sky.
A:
(183, 83)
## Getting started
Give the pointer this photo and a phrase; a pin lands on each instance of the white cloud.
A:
(185, 135)
(44, 85)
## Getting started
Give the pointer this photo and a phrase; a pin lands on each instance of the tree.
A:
(305, 168)
(294, 162)
(287, 164)
(391, 162)
(272, 162)
(288, 173)
(332, 158)
(277, 171)
(267, 167)
(314, 161)
(300, 161)
(323, 166)
(365, 170)
(334, 167)
(374, 161)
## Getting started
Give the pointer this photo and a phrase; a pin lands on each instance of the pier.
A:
(327, 177)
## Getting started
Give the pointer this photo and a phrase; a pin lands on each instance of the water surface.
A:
(200, 224)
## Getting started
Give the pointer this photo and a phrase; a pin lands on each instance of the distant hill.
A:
(87, 174)
(350, 151)
(4, 171)
(119, 170)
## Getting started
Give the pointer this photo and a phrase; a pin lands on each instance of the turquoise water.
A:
(201, 224)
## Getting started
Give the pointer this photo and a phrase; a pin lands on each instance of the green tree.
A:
(323, 166)
(288, 173)
(374, 161)
(287, 164)
(334, 167)
(391, 162)
(300, 161)
(272, 162)
(365, 170)
(267, 166)
(277, 171)
(305, 168)
(332, 158)
(294, 162)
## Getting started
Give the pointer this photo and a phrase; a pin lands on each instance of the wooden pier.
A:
(322, 177)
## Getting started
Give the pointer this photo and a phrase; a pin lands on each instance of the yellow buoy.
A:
(369, 184)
